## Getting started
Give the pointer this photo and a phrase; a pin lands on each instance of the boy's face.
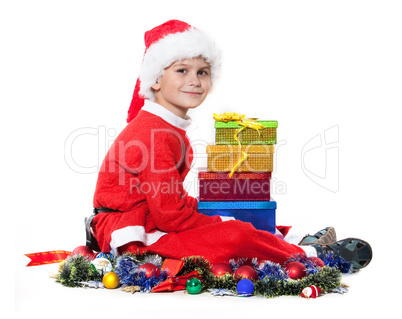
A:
(184, 85)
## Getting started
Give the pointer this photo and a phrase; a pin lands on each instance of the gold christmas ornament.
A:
(110, 280)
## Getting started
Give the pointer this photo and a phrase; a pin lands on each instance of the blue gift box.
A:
(260, 213)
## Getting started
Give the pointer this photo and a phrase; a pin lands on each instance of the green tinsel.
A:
(76, 269)
(203, 267)
(195, 263)
(326, 279)
(226, 281)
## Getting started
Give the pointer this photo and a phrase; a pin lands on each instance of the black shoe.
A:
(355, 251)
(325, 236)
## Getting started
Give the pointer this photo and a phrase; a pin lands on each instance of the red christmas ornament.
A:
(317, 261)
(310, 292)
(83, 250)
(150, 270)
(221, 269)
(296, 270)
(247, 272)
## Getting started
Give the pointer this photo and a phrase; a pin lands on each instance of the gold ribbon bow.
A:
(240, 119)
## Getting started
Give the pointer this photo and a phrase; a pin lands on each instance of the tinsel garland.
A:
(338, 262)
(127, 268)
(329, 260)
(76, 269)
(273, 279)
(326, 279)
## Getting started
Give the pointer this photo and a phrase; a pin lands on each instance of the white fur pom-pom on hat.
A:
(165, 44)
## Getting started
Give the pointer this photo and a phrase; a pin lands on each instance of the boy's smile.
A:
(184, 85)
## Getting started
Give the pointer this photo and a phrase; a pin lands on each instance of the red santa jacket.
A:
(142, 178)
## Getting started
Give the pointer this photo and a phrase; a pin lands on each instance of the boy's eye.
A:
(202, 72)
(182, 70)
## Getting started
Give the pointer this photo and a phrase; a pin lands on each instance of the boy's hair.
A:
(165, 44)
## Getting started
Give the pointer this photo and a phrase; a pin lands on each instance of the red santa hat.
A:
(165, 44)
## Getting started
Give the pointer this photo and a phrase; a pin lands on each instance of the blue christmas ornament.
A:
(245, 287)
(108, 256)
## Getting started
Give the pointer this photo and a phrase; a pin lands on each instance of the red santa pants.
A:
(220, 242)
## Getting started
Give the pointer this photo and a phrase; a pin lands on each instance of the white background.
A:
(313, 66)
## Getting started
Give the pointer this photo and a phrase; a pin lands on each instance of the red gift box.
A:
(215, 186)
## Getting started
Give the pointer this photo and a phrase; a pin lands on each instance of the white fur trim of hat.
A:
(175, 47)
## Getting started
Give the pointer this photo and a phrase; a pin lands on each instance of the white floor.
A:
(329, 73)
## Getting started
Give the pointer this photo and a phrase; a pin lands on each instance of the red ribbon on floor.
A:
(176, 283)
(172, 267)
(47, 257)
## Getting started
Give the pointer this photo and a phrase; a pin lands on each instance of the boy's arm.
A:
(171, 208)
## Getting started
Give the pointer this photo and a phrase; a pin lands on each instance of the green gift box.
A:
(225, 133)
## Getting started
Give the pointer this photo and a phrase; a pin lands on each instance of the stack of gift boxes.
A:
(236, 182)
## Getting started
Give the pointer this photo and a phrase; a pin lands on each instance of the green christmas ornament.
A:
(193, 286)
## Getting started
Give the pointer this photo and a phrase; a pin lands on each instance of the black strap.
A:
(104, 210)
(91, 241)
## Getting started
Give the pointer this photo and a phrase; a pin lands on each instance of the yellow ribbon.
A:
(240, 119)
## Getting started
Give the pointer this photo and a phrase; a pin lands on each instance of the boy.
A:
(139, 201)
